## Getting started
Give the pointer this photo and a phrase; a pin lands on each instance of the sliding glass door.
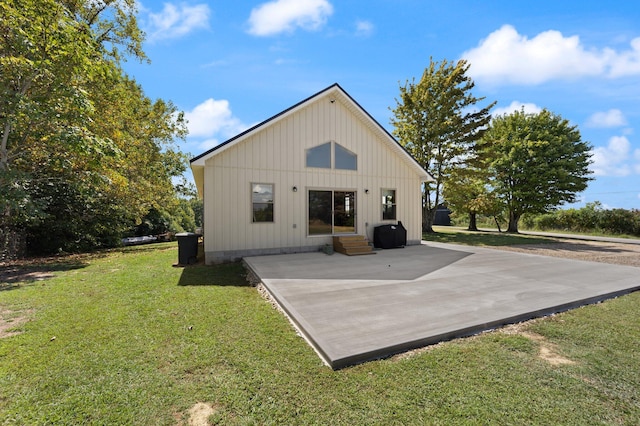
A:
(344, 212)
(332, 212)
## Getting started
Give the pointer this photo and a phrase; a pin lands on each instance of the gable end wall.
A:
(277, 154)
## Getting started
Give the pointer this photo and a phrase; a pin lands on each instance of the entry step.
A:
(352, 245)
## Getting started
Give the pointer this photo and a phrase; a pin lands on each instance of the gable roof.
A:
(333, 91)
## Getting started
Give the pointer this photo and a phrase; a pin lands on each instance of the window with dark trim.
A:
(388, 204)
(262, 202)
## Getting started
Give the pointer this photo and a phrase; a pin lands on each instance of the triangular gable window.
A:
(345, 159)
(321, 157)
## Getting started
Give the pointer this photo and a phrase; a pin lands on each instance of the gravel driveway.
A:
(613, 253)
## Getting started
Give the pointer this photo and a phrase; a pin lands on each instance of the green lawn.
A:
(124, 338)
(449, 234)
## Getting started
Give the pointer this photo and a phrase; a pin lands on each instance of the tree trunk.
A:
(497, 223)
(514, 218)
(4, 153)
(428, 216)
(473, 226)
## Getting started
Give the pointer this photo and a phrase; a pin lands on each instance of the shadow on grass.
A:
(484, 238)
(228, 274)
(19, 272)
(14, 275)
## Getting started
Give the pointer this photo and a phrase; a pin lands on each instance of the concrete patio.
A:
(354, 309)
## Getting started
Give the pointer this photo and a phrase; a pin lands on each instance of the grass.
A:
(124, 338)
(448, 234)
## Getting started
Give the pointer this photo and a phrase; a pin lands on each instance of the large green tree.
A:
(538, 162)
(49, 52)
(84, 154)
(438, 121)
(45, 57)
(99, 200)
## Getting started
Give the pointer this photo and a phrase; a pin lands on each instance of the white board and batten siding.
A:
(274, 152)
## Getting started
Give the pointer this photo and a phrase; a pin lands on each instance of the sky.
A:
(232, 64)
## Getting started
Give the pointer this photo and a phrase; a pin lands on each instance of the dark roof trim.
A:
(227, 142)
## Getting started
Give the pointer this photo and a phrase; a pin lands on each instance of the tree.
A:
(112, 26)
(44, 58)
(538, 162)
(436, 120)
(91, 203)
(84, 154)
(467, 191)
(50, 50)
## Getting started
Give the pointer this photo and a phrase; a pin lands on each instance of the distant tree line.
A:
(592, 218)
(510, 165)
(85, 155)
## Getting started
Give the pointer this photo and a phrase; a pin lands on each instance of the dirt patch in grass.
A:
(198, 415)
(547, 351)
(11, 320)
(593, 251)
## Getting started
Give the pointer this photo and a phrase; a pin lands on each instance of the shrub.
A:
(591, 218)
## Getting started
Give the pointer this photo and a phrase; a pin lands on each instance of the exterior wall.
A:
(277, 155)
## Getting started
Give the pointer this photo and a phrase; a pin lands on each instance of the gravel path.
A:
(614, 253)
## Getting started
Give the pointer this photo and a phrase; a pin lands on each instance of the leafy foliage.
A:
(467, 191)
(84, 154)
(436, 120)
(537, 162)
(591, 218)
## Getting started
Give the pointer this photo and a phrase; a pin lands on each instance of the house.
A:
(321, 168)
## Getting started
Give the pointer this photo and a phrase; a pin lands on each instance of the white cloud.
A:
(207, 144)
(213, 118)
(176, 21)
(364, 28)
(280, 16)
(611, 118)
(506, 56)
(514, 106)
(615, 159)
(627, 63)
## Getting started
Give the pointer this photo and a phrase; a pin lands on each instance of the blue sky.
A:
(231, 64)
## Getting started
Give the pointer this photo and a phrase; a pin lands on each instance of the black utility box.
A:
(389, 236)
